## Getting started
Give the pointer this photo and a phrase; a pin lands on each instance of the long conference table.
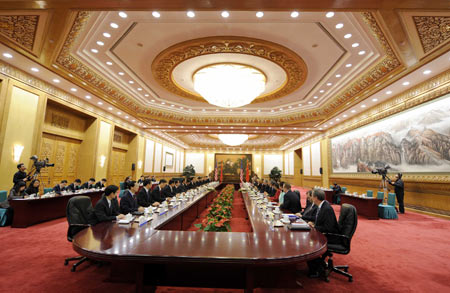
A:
(162, 253)
(30, 211)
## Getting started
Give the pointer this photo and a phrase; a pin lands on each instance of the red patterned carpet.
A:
(407, 255)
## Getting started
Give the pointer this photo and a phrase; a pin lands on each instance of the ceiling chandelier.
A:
(229, 85)
(233, 139)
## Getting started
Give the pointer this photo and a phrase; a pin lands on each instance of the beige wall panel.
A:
(103, 150)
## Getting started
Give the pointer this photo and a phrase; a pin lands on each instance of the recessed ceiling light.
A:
(405, 83)
(73, 89)
(348, 36)
(100, 43)
(315, 97)
(245, 110)
(259, 14)
(121, 73)
(203, 110)
(361, 52)
(107, 35)
(321, 91)
(259, 110)
(190, 14)
(181, 108)
(110, 108)
(348, 65)
(320, 128)
(109, 63)
(289, 107)
(329, 84)
(163, 103)
(156, 14)
(374, 100)
(100, 103)
(281, 109)
(123, 14)
(339, 25)
(309, 102)
(114, 25)
(34, 69)
(94, 50)
(171, 106)
(190, 109)
(88, 97)
(427, 71)
(119, 113)
(353, 111)
(126, 117)
(388, 92)
(7, 55)
(354, 45)
(130, 82)
(146, 95)
(225, 14)
(331, 122)
(272, 110)
(139, 123)
(299, 105)
(139, 89)
(345, 115)
(338, 75)
(135, 121)
(56, 80)
(152, 100)
(329, 14)
(363, 106)
(231, 110)
(217, 110)
(337, 119)
(294, 14)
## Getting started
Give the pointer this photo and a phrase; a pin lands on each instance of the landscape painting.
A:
(417, 140)
(232, 163)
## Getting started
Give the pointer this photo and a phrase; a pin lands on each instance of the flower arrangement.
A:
(219, 212)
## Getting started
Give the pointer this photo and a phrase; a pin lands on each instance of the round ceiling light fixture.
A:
(233, 139)
(229, 85)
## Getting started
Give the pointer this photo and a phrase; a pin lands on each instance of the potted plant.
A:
(275, 174)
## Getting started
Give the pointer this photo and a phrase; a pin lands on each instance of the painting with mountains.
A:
(417, 140)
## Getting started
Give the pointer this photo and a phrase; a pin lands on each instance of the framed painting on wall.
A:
(169, 159)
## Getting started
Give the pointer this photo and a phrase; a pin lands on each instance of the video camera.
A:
(40, 164)
(382, 171)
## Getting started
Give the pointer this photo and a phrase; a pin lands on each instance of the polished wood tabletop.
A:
(148, 243)
(366, 206)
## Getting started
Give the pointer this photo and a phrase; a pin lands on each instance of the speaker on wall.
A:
(164, 168)
(301, 171)
(320, 170)
(133, 166)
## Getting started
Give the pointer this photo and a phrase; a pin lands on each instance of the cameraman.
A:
(20, 175)
(399, 191)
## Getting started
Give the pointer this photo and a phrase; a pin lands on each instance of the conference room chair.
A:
(380, 195)
(344, 189)
(47, 190)
(387, 211)
(369, 193)
(340, 243)
(331, 186)
(3, 197)
(78, 210)
(299, 197)
(122, 185)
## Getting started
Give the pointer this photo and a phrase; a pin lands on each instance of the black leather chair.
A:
(78, 211)
(340, 243)
(299, 197)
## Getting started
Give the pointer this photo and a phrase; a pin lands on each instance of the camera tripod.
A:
(383, 186)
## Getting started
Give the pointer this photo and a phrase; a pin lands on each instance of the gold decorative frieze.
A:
(433, 31)
(167, 60)
(20, 29)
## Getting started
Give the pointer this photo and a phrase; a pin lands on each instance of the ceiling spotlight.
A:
(321, 91)
(107, 35)
(361, 52)
(427, 72)
(405, 83)
(156, 14)
(259, 110)
(338, 75)
(114, 25)
(289, 107)
(123, 14)
(34, 69)
(139, 89)
(152, 100)
(353, 111)
(130, 82)
(225, 14)
(388, 92)
(272, 110)
(56, 80)
(109, 63)
(119, 113)
(309, 102)
(190, 14)
(88, 97)
(339, 25)
(345, 115)
(299, 105)
(363, 106)
(110, 108)
(94, 50)
(329, 84)
(100, 43)
(329, 14)
(146, 95)
(294, 14)
(348, 65)
(259, 14)
(100, 103)
(354, 45)
(73, 89)
(374, 100)
(121, 73)
(348, 36)
(126, 117)
(7, 55)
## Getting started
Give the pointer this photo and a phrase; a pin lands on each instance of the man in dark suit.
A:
(271, 190)
(107, 208)
(157, 192)
(325, 222)
(183, 186)
(88, 185)
(74, 186)
(20, 175)
(128, 202)
(336, 193)
(309, 214)
(60, 187)
(144, 197)
(399, 187)
(178, 187)
(169, 190)
(101, 183)
(291, 200)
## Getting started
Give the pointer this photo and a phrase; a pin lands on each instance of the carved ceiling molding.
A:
(166, 61)
(388, 64)
(20, 29)
(433, 31)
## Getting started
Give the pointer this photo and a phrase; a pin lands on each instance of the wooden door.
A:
(116, 169)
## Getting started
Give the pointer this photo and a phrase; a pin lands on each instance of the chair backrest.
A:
(122, 185)
(348, 220)
(299, 197)
(331, 186)
(3, 195)
(78, 211)
(369, 193)
(391, 199)
(121, 193)
(380, 194)
(47, 190)
(344, 189)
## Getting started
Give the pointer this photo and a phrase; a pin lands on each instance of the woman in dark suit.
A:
(34, 187)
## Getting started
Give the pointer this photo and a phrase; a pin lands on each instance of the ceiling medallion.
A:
(293, 65)
(233, 139)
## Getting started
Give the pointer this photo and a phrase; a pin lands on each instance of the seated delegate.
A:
(60, 187)
(34, 187)
(144, 196)
(107, 208)
(291, 200)
(88, 185)
(128, 202)
(74, 186)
